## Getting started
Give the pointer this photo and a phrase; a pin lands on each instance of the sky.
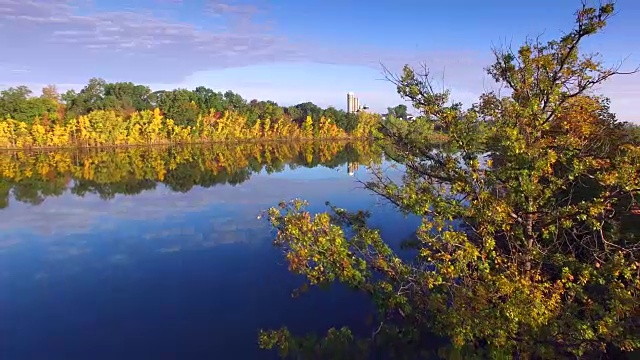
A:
(292, 51)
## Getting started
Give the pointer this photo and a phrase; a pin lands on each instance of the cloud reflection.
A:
(71, 234)
(203, 204)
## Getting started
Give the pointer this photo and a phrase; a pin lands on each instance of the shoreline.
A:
(201, 142)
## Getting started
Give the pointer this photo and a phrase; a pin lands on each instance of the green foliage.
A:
(421, 130)
(16, 103)
(529, 243)
(633, 131)
(263, 110)
(127, 97)
(206, 98)
(398, 112)
(90, 98)
(309, 109)
(179, 105)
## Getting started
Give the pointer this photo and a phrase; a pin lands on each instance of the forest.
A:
(124, 113)
(31, 177)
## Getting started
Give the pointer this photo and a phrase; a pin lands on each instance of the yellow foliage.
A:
(149, 127)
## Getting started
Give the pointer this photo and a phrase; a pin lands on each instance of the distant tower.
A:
(351, 102)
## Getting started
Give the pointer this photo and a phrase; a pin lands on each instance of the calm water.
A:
(158, 253)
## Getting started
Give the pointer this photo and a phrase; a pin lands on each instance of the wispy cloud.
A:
(239, 11)
(13, 69)
(143, 45)
(73, 37)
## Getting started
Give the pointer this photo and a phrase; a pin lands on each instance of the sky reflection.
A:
(164, 274)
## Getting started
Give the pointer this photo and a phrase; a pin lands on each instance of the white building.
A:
(353, 104)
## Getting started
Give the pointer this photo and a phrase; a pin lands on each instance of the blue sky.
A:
(291, 51)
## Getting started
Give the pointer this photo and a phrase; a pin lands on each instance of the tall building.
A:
(353, 104)
(350, 102)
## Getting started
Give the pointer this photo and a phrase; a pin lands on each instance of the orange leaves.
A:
(579, 118)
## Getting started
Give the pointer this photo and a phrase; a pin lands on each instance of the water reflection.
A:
(32, 177)
(157, 253)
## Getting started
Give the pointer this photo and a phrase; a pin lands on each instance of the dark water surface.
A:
(158, 253)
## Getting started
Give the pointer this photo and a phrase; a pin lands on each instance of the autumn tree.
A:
(529, 244)
(50, 92)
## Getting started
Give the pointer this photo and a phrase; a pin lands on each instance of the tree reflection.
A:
(31, 177)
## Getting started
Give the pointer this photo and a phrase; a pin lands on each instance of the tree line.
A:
(125, 113)
(31, 176)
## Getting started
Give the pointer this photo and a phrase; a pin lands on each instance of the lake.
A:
(158, 253)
